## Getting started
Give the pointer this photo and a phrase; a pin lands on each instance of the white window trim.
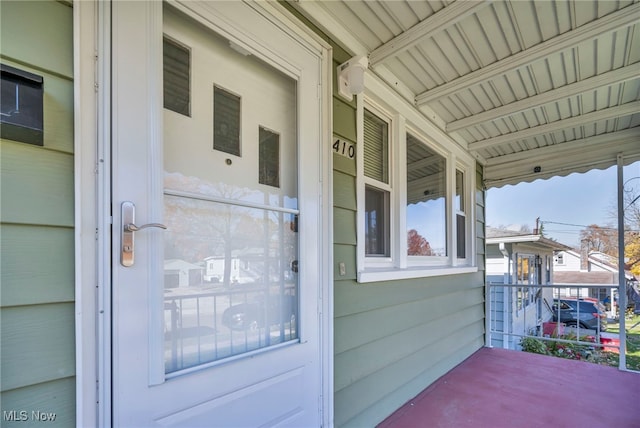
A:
(469, 211)
(403, 118)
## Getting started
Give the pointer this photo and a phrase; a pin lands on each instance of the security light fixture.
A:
(351, 76)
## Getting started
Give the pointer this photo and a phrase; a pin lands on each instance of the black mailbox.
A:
(21, 109)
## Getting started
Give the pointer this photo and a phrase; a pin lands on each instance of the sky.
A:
(577, 199)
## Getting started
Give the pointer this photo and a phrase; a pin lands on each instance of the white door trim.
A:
(92, 213)
(93, 217)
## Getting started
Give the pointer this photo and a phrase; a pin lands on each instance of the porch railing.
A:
(203, 326)
(519, 311)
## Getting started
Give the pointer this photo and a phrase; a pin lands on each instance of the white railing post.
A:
(622, 283)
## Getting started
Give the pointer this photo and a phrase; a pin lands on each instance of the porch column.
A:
(622, 283)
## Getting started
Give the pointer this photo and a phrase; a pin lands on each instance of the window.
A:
(426, 200)
(269, 158)
(176, 74)
(461, 220)
(226, 121)
(414, 217)
(376, 222)
(377, 193)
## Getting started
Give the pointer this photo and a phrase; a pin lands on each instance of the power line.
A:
(612, 229)
(576, 225)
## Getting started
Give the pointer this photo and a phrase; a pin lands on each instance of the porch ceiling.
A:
(520, 84)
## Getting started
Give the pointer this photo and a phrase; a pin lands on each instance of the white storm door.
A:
(216, 127)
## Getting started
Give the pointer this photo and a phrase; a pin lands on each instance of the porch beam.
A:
(558, 125)
(571, 147)
(330, 24)
(425, 29)
(575, 156)
(612, 22)
(610, 78)
(424, 163)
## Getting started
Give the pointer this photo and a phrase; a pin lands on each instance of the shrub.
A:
(536, 346)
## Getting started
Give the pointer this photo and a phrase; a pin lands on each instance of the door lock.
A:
(128, 217)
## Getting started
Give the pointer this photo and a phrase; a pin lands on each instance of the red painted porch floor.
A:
(501, 388)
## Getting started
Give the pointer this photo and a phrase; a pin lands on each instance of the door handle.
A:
(130, 227)
(128, 217)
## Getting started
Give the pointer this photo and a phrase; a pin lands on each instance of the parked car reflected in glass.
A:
(260, 312)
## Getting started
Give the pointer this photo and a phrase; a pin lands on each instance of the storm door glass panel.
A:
(231, 244)
(426, 200)
(230, 280)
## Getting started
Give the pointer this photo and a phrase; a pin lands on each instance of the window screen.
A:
(376, 147)
(269, 158)
(176, 75)
(226, 121)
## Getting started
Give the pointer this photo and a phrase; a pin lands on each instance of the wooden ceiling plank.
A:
(622, 18)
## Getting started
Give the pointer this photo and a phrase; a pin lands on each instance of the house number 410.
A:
(344, 148)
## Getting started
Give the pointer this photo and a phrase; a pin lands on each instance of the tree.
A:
(417, 245)
(602, 239)
(631, 205)
(631, 217)
(632, 253)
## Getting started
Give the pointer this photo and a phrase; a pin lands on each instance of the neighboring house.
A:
(215, 266)
(590, 268)
(521, 259)
(354, 157)
(178, 273)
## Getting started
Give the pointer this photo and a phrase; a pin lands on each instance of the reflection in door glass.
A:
(229, 283)
(231, 251)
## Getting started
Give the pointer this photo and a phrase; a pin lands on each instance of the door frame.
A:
(92, 119)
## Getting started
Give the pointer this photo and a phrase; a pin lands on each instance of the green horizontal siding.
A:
(36, 265)
(38, 344)
(411, 334)
(38, 33)
(344, 120)
(345, 254)
(344, 191)
(344, 226)
(394, 315)
(36, 185)
(57, 397)
(37, 313)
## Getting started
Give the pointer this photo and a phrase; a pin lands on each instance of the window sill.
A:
(385, 274)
